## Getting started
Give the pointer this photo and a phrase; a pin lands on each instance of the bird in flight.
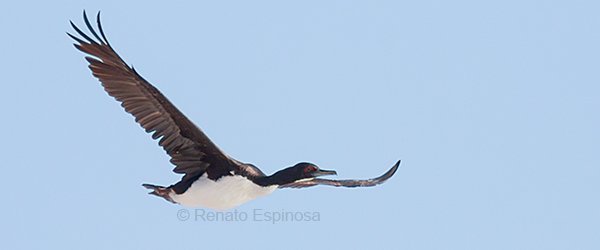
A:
(211, 178)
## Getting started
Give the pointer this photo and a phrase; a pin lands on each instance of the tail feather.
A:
(160, 191)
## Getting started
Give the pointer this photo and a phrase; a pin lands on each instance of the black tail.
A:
(160, 191)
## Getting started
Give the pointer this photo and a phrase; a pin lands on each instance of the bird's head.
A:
(300, 171)
(305, 170)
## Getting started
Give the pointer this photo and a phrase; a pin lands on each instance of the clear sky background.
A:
(492, 107)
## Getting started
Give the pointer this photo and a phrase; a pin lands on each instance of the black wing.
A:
(191, 151)
(344, 183)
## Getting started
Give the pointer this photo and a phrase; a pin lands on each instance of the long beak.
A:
(322, 172)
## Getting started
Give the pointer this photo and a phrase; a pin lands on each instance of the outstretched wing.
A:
(344, 183)
(191, 151)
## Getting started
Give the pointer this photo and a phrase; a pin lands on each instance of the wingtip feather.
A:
(390, 172)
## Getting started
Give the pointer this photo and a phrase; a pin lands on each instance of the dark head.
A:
(299, 171)
(304, 170)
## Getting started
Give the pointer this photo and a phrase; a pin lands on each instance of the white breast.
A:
(227, 192)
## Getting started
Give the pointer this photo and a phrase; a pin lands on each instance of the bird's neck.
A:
(278, 178)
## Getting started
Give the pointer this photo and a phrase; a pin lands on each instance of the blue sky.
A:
(492, 107)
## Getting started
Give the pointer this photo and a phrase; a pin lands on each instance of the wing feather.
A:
(191, 151)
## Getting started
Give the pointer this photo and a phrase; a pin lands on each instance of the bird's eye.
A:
(310, 169)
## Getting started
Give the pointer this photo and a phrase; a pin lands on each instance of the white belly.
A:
(227, 192)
